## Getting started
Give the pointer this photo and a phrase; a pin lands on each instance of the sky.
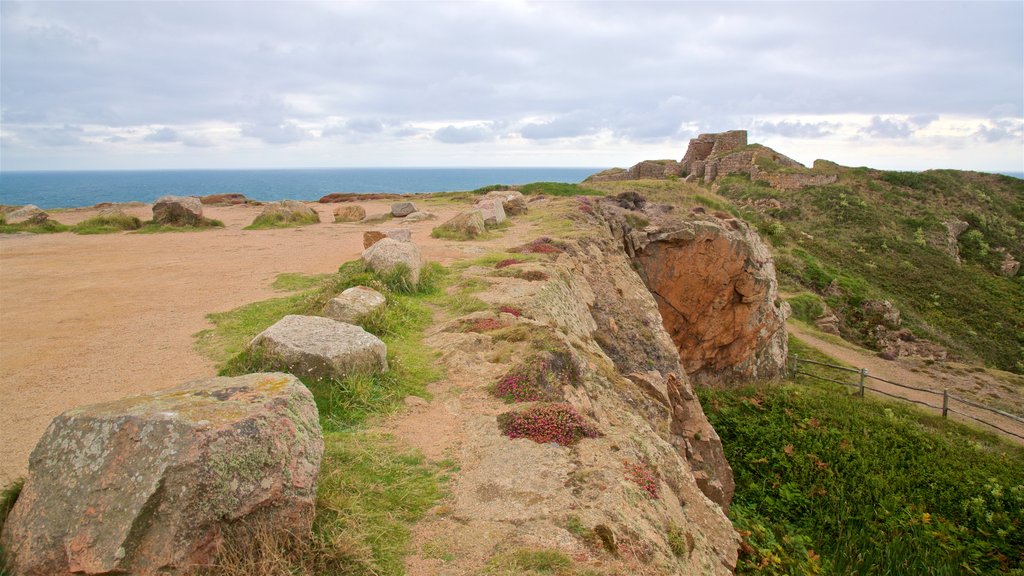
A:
(155, 85)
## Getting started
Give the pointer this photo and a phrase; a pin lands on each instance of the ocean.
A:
(73, 188)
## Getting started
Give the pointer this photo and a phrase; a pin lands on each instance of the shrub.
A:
(508, 262)
(543, 245)
(282, 220)
(532, 276)
(806, 307)
(519, 387)
(107, 224)
(558, 189)
(641, 475)
(511, 310)
(480, 325)
(559, 423)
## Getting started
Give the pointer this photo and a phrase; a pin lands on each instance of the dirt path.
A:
(87, 319)
(894, 372)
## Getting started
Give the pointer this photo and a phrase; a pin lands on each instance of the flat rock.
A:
(388, 254)
(229, 199)
(321, 348)
(402, 209)
(349, 213)
(492, 211)
(178, 211)
(371, 237)
(420, 216)
(354, 304)
(29, 214)
(157, 483)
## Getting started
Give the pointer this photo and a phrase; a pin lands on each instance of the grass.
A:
(557, 189)
(48, 227)
(294, 281)
(443, 232)
(282, 220)
(806, 307)
(150, 227)
(529, 562)
(107, 224)
(829, 483)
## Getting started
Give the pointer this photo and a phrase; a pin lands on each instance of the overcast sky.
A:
(88, 85)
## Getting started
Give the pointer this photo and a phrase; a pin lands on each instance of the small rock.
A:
(402, 209)
(30, 214)
(371, 237)
(470, 224)
(420, 216)
(349, 213)
(157, 483)
(353, 304)
(492, 211)
(321, 347)
(1009, 266)
(387, 254)
(178, 211)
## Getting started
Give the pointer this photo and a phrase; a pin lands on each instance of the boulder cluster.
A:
(491, 210)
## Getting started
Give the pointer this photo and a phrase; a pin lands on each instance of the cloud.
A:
(797, 129)
(276, 132)
(576, 123)
(163, 135)
(1002, 130)
(464, 135)
(67, 135)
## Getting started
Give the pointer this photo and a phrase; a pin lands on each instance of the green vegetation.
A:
(150, 227)
(529, 562)
(880, 236)
(294, 281)
(806, 307)
(460, 235)
(829, 483)
(370, 489)
(107, 224)
(557, 189)
(48, 227)
(282, 219)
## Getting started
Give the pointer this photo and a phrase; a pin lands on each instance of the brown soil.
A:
(960, 381)
(87, 319)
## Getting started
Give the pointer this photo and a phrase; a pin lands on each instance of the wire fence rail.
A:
(943, 399)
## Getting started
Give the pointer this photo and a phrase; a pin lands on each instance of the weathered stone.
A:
(388, 254)
(157, 483)
(469, 224)
(1009, 266)
(29, 214)
(420, 216)
(401, 209)
(492, 211)
(954, 228)
(178, 211)
(511, 200)
(349, 213)
(371, 237)
(321, 347)
(230, 199)
(828, 322)
(902, 343)
(354, 304)
(288, 211)
(881, 313)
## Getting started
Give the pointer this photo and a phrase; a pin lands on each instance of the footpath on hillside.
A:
(888, 370)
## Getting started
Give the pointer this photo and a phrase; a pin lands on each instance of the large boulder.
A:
(492, 211)
(401, 209)
(320, 348)
(371, 237)
(354, 304)
(29, 214)
(465, 225)
(349, 213)
(389, 254)
(158, 483)
(178, 211)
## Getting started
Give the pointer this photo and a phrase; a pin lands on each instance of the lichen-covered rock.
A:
(511, 200)
(155, 484)
(902, 343)
(467, 224)
(1009, 266)
(354, 304)
(349, 213)
(402, 209)
(492, 211)
(954, 228)
(29, 214)
(388, 254)
(178, 211)
(320, 348)
(714, 281)
(371, 237)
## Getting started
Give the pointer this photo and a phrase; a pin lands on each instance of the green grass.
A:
(558, 189)
(107, 224)
(295, 281)
(826, 481)
(282, 220)
(443, 232)
(150, 227)
(806, 307)
(529, 562)
(48, 227)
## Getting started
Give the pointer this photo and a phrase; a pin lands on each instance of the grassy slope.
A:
(832, 483)
(879, 236)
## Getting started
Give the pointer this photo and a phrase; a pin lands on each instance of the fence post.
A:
(863, 374)
(796, 365)
(945, 401)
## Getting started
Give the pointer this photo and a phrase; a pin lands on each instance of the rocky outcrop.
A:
(178, 211)
(645, 170)
(371, 237)
(954, 228)
(895, 343)
(714, 281)
(230, 199)
(388, 255)
(492, 211)
(709, 147)
(158, 483)
(28, 214)
(354, 304)
(402, 209)
(1010, 265)
(320, 348)
(353, 213)
(465, 224)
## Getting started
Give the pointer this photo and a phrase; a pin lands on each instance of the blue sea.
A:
(70, 189)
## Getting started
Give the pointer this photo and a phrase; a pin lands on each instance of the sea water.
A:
(85, 188)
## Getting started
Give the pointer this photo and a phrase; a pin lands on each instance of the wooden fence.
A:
(949, 401)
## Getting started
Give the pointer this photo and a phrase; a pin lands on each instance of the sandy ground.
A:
(87, 319)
